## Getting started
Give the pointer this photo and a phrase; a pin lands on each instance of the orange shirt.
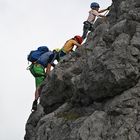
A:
(69, 45)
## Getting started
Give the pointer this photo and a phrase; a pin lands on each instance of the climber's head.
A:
(94, 6)
(78, 39)
(56, 50)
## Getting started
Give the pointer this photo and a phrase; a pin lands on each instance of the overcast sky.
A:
(25, 25)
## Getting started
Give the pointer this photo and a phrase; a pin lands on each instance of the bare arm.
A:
(77, 44)
(102, 16)
(48, 69)
(101, 11)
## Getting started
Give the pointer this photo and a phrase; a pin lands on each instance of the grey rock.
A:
(94, 92)
(93, 126)
(136, 38)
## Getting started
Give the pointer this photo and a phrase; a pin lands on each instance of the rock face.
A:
(94, 93)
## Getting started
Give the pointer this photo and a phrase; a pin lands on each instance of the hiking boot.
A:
(34, 106)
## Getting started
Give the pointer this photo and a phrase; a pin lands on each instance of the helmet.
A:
(79, 39)
(94, 5)
(56, 49)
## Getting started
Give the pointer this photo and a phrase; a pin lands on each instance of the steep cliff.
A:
(94, 93)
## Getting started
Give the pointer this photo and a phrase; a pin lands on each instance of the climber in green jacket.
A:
(40, 69)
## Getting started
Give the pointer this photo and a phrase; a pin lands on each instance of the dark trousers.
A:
(87, 27)
(61, 54)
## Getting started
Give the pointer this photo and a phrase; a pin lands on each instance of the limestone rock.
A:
(94, 92)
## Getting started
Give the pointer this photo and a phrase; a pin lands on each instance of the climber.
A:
(40, 69)
(68, 46)
(88, 24)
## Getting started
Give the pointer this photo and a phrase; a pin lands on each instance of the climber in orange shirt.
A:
(68, 46)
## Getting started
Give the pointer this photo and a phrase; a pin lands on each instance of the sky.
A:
(24, 26)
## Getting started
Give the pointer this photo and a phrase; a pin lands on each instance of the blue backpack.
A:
(44, 58)
(35, 54)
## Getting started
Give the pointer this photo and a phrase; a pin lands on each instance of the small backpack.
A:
(35, 54)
